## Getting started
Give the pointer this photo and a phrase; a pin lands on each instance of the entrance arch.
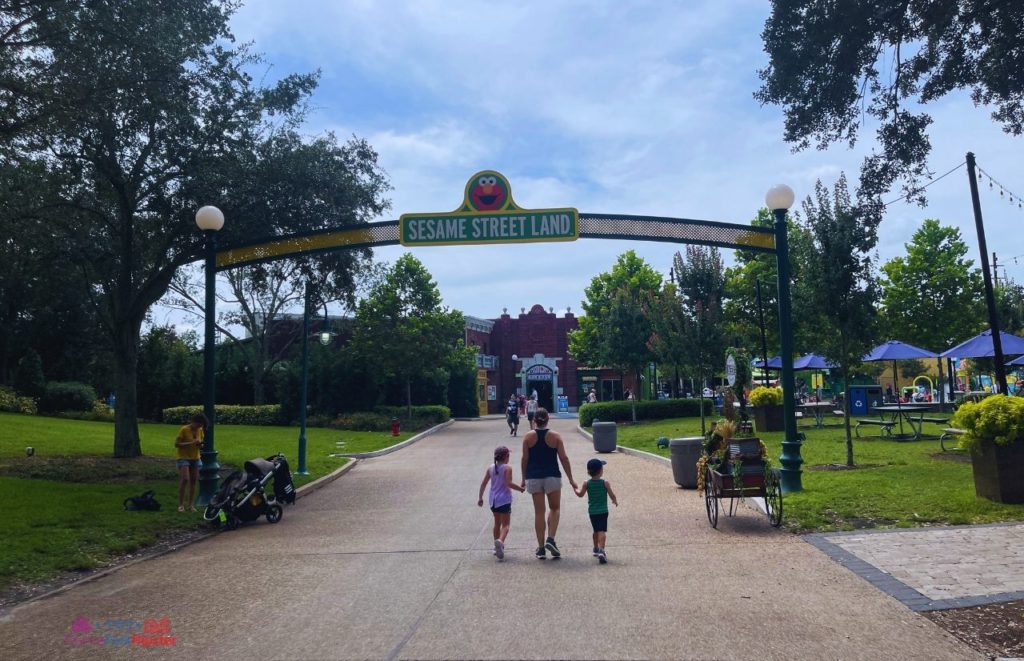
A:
(489, 214)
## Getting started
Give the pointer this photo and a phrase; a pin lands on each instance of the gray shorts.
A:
(544, 485)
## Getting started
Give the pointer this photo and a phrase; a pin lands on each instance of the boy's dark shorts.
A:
(505, 509)
(600, 522)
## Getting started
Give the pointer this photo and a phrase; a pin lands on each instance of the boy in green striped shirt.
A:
(598, 492)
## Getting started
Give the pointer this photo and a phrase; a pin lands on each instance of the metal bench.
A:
(938, 421)
(948, 434)
(886, 426)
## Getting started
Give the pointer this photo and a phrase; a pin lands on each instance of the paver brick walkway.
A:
(936, 568)
(393, 561)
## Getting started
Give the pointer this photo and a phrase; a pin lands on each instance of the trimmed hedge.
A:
(268, 414)
(12, 403)
(100, 413)
(645, 410)
(60, 396)
(435, 413)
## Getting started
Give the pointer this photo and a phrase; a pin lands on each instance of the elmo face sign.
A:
(488, 193)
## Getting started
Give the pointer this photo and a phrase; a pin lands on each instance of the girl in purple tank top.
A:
(500, 477)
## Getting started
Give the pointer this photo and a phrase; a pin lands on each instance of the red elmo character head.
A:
(488, 194)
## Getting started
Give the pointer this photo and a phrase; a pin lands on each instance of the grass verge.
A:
(64, 504)
(898, 484)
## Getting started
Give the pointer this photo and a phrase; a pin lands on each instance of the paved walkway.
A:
(935, 568)
(393, 561)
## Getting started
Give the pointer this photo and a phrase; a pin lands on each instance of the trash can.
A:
(864, 398)
(685, 452)
(605, 436)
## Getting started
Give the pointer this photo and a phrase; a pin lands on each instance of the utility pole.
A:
(990, 297)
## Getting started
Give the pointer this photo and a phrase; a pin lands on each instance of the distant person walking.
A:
(500, 477)
(592, 397)
(542, 451)
(531, 410)
(187, 443)
(512, 415)
(598, 491)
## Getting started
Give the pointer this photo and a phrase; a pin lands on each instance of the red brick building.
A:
(530, 352)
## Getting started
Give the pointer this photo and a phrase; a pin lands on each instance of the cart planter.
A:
(755, 481)
(769, 418)
(999, 471)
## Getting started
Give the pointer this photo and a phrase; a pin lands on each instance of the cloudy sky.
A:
(619, 107)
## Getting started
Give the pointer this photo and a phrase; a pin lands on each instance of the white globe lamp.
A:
(779, 196)
(210, 219)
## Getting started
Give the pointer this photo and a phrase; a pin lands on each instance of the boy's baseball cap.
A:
(595, 465)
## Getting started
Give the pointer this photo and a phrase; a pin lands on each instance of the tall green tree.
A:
(402, 328)
(932, 296)
(740, 308)
(847, 291)
(701, 281)
(834, 65)
(668, 330)
(1010, 301)
(141, 111)
(617, 297)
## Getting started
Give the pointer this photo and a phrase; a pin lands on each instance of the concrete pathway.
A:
(393, 561)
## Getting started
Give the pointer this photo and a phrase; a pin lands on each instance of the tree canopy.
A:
(833, 66)
(932, 296)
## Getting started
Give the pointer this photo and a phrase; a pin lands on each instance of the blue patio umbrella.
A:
(980, 346)
(895, 350)
(773, 363)
(1017, 361)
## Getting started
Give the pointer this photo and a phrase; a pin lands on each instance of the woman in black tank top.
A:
(542, 451)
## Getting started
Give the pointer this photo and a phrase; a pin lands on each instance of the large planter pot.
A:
(999, 472)
(769, 418)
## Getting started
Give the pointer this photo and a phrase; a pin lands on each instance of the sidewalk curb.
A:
(301, 492)
(406, 443)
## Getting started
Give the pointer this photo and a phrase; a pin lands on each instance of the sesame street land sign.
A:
(488, 215)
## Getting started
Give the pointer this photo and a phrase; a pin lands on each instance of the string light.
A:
(930, 182)
(1004, 192)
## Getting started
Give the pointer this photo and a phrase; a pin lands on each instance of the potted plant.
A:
(767, 405)
(733, 458)
(995, 439)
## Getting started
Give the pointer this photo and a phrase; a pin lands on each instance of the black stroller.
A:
(242, 496)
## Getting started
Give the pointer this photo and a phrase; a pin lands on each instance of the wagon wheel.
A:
(773, 497)
(710, 499)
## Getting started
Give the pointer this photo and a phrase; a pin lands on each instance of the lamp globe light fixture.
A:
(779, 196)
(325, 338)
(210, 218)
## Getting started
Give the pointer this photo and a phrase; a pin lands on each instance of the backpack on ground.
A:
(143, 502)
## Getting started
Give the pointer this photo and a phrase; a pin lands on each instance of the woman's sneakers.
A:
(553, 548)
(499, 549)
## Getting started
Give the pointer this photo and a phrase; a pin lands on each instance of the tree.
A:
(740, 307)
(170, 370)
(148, 112)
(1010, 301)
(831, 64)
(701, 282)
(668, 328)
(932, 296)
(847, 292)
(403, 330)
(617, 296)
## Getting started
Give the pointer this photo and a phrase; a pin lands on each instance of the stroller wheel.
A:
(232, 522)
(274, 513)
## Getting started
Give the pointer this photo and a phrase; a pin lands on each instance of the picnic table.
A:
(892, 414)
(818, 409)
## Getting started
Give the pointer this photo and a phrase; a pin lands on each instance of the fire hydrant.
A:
(395, 428)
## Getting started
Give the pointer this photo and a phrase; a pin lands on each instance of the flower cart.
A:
(737, 468)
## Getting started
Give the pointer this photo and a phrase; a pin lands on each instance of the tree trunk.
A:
(126, 365)
(408, 399)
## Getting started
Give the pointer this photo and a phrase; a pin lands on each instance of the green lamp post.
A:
(210, 220)
(779, 199)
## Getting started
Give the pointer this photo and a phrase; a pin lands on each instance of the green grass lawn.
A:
(64, 508)
(898, 484)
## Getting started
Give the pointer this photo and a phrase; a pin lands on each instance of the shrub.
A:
(267, 414)
(362, 421)
(12, 403)
(761, 396)
(100, 412)
(60, 396)
(434, 412)
(645, 410)
(996, 419)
